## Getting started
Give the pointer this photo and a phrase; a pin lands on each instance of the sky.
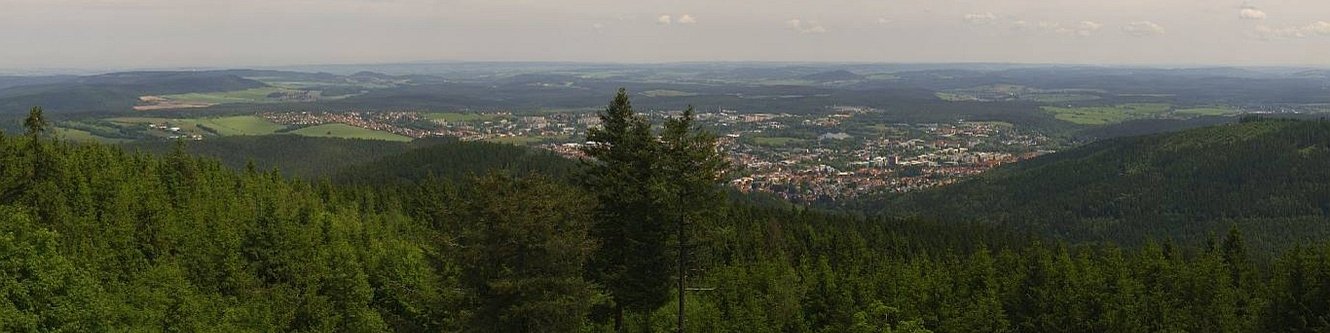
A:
(237, 33)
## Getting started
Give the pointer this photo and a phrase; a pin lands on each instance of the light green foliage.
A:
(40, 289)
(240, 125)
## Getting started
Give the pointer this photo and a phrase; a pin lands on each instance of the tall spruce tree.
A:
(693, 170)
(524, 243)
(632, 263)
(36, 122)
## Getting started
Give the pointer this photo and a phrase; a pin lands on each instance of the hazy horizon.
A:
(92, 35)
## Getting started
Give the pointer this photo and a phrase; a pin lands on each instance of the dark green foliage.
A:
(35, 123)
(1266, 177)
(449, 158)
(633, 262)
(370, 161)
(93, 238)
(179, 244)
(296, 156)
(523, 245)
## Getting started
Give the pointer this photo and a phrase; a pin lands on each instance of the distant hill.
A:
(172, 82)
(15, 81)
(372, 75)
(837, 75)
(1269, 177)
(114, 92)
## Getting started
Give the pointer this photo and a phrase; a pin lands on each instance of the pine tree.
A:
(36, 123)
(524, 244)
(692, 169)
(632, 262)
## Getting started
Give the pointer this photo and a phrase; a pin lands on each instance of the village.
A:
(835, 154)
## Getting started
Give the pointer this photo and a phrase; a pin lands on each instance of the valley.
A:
(809, 134)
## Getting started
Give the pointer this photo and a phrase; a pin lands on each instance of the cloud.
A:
(664, 19)
(1251, 13)
(1089, 25)
(1083, 28)
(687, 19)
(597, 26)
(807, 27)
(883, 20)
(1143, 29)
(1319, 28)
(982, 18)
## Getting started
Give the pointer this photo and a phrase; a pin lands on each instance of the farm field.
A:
(256, 95)
(1059, 97)
(241, 125)
(1209, 111)
(83, 136)
(225, 126)
(1100, 115)
(348, 132)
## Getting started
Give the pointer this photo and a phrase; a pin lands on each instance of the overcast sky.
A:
(184, 33)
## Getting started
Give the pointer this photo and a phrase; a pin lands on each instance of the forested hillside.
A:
(1266, 176)
(292, 155)
(368, 161)
(449, 158)
(115, 92)
(94, 238)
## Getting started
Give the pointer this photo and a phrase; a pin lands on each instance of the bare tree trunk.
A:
(618, 318)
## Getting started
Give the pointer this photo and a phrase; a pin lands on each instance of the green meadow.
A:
(1209, 111)
(256, 95)
(1100, 115)
(225, 126)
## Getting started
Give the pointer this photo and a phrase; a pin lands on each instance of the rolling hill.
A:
(116, 91)
(1266, 176)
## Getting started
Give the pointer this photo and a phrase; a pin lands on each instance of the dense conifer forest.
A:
(98, 238)
(1267, 177)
